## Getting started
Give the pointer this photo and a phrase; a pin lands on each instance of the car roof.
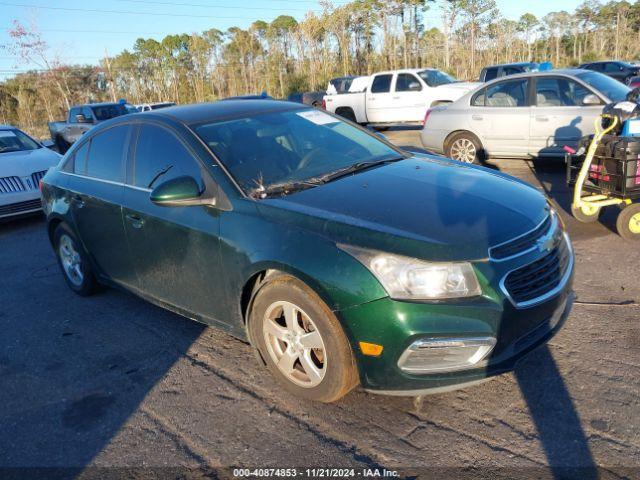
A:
(7, 127)
(567, 72)
(513, 64)
(210, 112)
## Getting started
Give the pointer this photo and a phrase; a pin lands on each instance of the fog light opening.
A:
(445, 355)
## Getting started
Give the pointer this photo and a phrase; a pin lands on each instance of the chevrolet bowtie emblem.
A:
(546, 244)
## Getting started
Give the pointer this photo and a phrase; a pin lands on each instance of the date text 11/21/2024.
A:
(314, 473)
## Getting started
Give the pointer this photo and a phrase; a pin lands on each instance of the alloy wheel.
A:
(463, 150)
(294, 344)
(71, 260)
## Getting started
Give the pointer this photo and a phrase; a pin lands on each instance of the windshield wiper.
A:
(356, 167)
(283, 188)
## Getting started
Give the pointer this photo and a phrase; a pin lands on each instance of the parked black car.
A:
(496, 71)
(621, 71)
(313, 99)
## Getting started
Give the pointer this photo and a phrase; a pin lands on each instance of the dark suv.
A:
(497, 71)
(621, 71)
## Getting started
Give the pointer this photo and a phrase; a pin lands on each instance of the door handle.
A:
(396, 98)
(136, 221)
(77, 200)
(476, 117)
(541, 118)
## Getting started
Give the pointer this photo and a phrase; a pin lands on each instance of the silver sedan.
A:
(521, 116)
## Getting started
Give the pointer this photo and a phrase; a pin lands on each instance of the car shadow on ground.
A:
(73, 369)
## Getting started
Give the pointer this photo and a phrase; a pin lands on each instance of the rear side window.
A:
(160, 156)
(491, 74)
(381, 84)
(106, 153)
(72, 114)
(80, 159)
(511, 93)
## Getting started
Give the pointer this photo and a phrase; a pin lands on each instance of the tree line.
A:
(286, 55)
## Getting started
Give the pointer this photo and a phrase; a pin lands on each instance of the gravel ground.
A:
(95, 385)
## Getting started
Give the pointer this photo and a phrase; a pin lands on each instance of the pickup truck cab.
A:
(82, 118)
(400, 96)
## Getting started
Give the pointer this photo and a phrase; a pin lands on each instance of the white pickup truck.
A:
(400, 96)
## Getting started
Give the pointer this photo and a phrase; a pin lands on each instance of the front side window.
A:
(381, 84)
(15, 141)
(106, 153)
(282, 147)
(559, 92)
(435, 78)
(491, 74)
(407, 83)
(511, 93)
(160, 156)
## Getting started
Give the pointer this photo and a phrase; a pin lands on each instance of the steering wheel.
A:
(311, 155)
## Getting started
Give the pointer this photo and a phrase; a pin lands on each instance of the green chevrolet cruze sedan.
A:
(342, 259)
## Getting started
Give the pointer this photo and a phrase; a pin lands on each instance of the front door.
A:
(410, 102)
(95, 194)
(559, 117)
(500, 114)
(379, 99)
(176, 249)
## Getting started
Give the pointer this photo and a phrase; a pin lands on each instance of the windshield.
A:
(105, 112)
(16, 141)
(612, 89)
(434, 78)
(288, 147)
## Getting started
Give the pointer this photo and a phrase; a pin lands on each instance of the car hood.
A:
(426, 207)
(26, 162)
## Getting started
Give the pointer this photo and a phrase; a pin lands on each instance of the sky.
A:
(81, 31)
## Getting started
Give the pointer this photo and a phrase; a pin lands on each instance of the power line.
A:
(121, 12)
(202, 5)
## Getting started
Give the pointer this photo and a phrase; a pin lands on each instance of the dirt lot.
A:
(112, 381)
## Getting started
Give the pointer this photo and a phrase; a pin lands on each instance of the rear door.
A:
(558, 116)
(96, 190)
(500, 114)
(409, 101)
(379, 99)
(176, 249)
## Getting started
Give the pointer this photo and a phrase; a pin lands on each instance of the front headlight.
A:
(407, 278)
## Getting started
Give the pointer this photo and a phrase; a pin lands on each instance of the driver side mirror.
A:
(80, 118)
(180, 192)
(415, 87)
(591, 99)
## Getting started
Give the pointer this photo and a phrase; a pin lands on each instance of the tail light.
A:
(426, 117)
(324, 104)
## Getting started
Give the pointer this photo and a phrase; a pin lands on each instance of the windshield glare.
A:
(278, 148)
(434, 78)
(16, 141)
(612, 89)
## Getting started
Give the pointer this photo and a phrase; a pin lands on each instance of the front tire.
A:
(628, 222)
(583, 216)
(73, 262)
(301, 341)
(465, 147)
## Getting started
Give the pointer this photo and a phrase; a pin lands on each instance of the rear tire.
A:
(74, 264)
(301, 341)
(464, 147)
(628, 222)
(348, 114)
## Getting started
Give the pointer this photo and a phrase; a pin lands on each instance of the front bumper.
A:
(19, 203)
(396, 325)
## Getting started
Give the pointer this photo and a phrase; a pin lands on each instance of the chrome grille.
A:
(36, 177)
(523, 243)
(533, 282)
(11, 185)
